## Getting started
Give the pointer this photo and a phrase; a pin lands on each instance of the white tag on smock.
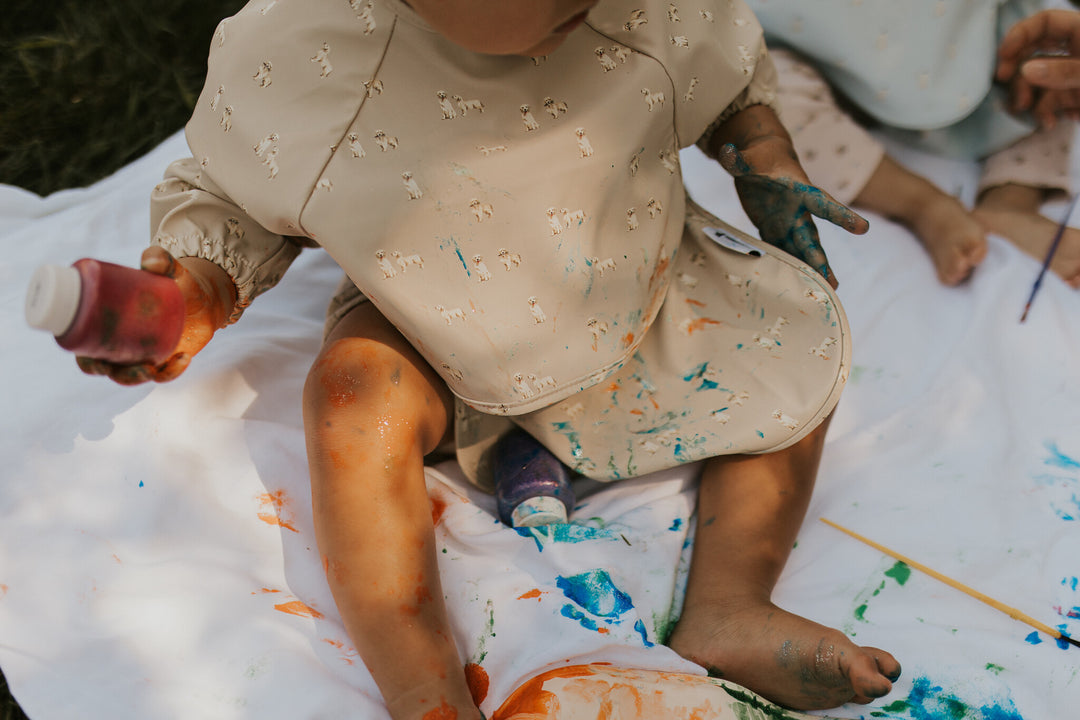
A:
(731, 242)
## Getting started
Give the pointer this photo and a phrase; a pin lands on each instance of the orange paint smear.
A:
(603, 631)
(534, 593)
(265, 591)
(532, 700)
(295, 607)
(274, 505)
(443, 712)
(613, 387)
(691, 301)
(347, 653)
(478, 681)
(700, 324)
(3, 590)
(628, 339)
(438, 507)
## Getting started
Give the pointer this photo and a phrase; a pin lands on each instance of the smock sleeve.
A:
(761, 90)
(191, 216)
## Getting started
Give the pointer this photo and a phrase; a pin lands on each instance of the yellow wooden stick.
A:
(997, 604)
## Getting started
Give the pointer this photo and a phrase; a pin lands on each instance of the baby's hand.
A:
(209, 296)
(779, 199)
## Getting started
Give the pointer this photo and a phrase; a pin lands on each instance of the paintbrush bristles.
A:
(996, 604)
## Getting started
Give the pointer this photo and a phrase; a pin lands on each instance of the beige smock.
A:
(522, 221)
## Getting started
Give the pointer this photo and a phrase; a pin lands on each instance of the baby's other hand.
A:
(209, 296)
(779, 199)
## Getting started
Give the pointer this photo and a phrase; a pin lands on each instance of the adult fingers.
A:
(1061, 73)
(1045, 30)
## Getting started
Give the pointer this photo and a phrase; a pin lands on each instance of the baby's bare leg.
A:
(1014, 212)
(750, 508)
(372, 410)
(955, 240)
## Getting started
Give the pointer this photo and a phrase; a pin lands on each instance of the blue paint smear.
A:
(677, 525)
(639, 626)
(595, 592)
(569, 611)
(1033, 638)
(142, 484)
(1059, 459)
(1062, 643)
(1070, 583)
(570, 533)
(929, 702)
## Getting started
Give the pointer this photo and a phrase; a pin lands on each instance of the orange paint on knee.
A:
(295, 607)
(339, 386)
(478, 681)
(445, 711)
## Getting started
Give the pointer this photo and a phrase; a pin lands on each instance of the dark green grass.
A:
(88, 86)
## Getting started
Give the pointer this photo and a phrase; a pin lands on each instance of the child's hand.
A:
(779, 199)
(209, 296)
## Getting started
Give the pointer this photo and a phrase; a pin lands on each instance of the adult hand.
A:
(209, 295)
(1040, 59)
(779, 199)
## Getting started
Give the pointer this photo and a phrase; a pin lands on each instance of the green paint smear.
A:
(996, 669)
(752, 707)
(899, 572)
(860, 613)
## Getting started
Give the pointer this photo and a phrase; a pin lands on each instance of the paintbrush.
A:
(1049, 255)
(997, 604)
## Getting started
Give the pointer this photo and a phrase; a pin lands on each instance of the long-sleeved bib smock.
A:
(516, 218)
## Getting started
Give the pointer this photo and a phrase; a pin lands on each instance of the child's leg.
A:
(750, 508)
(1013, 212)
(372, 410)
(953, 237)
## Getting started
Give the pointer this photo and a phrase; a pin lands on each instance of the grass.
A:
(87, 87)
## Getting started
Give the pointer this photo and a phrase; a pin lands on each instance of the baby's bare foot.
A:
(953, 237)
(785, 658)
(1033, 233)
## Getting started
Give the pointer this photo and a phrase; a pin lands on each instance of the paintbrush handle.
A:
(1049, 255)
(1010, 611)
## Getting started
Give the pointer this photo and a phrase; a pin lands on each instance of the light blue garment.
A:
(923, 68)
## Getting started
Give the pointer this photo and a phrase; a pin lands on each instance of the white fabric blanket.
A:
(157, 558)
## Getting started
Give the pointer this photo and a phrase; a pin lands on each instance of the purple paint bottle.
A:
(106, 311)
(532, 487)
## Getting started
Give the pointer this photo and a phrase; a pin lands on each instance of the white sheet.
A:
(157, 558)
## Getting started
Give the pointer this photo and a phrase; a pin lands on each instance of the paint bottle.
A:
(532, 487)
(105, 311)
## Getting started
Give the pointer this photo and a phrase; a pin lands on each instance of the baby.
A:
(500, 183)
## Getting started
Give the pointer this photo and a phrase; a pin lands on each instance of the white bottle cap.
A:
(540, 510)
(53, 298)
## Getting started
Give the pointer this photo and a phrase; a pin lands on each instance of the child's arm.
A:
(756, 149)
(220, 257)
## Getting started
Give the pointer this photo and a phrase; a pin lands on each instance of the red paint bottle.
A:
(110, 312)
